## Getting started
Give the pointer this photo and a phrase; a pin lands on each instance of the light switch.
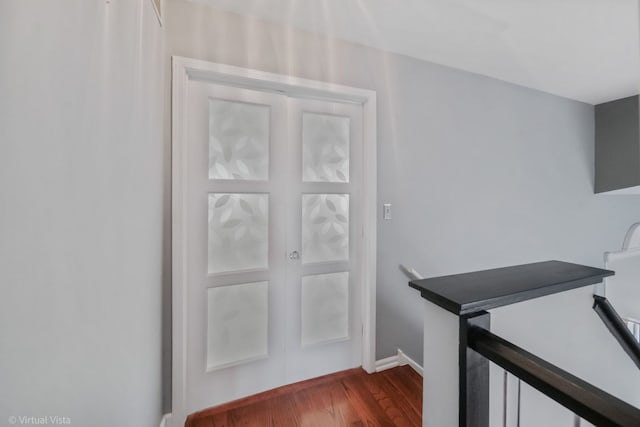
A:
(386, 211)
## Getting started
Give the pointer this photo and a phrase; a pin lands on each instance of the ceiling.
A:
(587, 50)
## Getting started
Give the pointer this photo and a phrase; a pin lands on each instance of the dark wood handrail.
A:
(587, 401)
(618, 329)
(478, 291)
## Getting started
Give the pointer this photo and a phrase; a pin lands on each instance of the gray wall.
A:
(480, 173)
(81, 211)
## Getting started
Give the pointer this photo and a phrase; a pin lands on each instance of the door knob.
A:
(294, 255)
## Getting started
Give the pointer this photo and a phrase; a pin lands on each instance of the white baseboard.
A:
(403, 359)
(164, 422)
(400, 359)
(387, 363)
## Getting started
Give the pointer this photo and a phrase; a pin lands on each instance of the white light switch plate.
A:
(386, 212)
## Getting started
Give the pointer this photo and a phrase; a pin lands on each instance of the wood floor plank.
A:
(284, 390)
(405, 380)
(369, 408)
(325, 405)
(348, 398)
(406, 374)
(397, 406)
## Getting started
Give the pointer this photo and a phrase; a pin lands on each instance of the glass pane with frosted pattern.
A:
(237, 322)
(325, 227)
(238, 140)
(325, 308)
(325, 148)
(238, 232)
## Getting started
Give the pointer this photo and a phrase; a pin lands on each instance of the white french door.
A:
(274, 232)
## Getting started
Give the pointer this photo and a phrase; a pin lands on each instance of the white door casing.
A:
(318, 202)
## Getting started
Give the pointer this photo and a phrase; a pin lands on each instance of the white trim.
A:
(271, 82)
(630, 249)
(387, 363)
(403, 359)
(185, 69)
(158, 10)
(369, 231)
(399, 359)
(630, 239)
(627, 253)
(411, 273)
(165, 420)
(179, 246)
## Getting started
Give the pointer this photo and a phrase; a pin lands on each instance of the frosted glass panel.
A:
(238, 232)
(325, 308)
(238, 140)
(325, 227)
(237, 320)
(325, 148)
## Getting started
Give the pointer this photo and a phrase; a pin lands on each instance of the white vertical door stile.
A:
(324, 303)
(236, 234)
(274, 241)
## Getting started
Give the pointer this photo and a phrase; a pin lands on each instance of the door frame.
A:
(185, 70)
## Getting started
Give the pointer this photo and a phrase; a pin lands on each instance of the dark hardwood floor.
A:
(349, 398)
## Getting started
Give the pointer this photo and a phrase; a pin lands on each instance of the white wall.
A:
(81, 211)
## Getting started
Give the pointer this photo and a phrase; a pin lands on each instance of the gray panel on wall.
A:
(617, 150)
